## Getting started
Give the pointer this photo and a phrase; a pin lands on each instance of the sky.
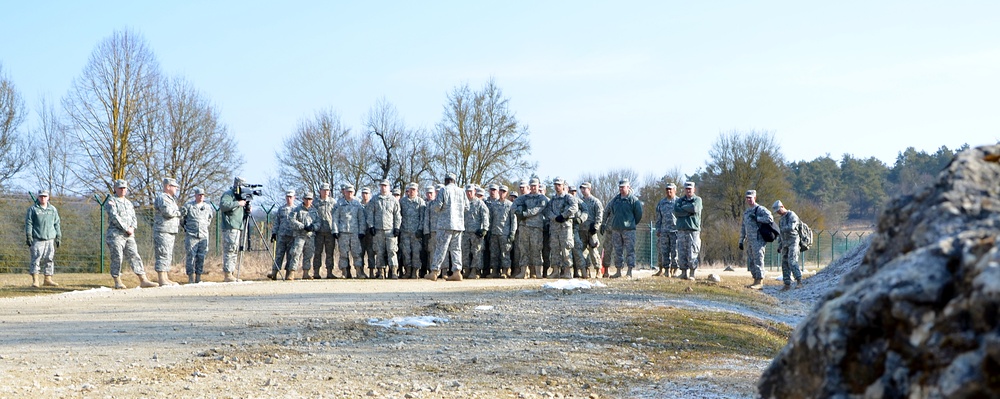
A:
(647, 85)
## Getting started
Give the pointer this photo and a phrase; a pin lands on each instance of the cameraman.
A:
(232, 207)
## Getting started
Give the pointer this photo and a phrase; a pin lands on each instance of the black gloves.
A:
(361, 236)
(28, 241)
(308, 228)
(604, 229)
(560, 219)
(395, 232)
(336, 236)
(274, 237)
(57, 243)
(592, 230)
(420, 234)
(371, 231)
(741, 246)
(481, 233)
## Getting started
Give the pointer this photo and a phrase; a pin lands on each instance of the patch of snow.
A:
(484, 307)
(573, 284)
(406, 322)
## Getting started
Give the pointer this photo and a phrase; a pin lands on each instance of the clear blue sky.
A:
(641, 84)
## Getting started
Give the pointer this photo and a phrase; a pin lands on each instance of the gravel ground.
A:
(313, 339)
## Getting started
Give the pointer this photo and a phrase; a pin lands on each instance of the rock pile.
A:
(919, 316)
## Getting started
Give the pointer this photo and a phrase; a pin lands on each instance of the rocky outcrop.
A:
(918, 318)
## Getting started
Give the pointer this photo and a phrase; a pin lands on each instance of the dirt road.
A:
(502, 338)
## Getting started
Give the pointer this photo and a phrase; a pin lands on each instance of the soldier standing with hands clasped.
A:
(196, 217)
(120, 237)
(166, 220)
(687, 209)
(44, 233)
(666, 233)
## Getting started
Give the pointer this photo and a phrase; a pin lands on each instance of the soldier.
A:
(581, 217)
(560, 211)
(788, 245)
(283, 235)
(546, 247)
(503, 228)
(348, 229)
(477, 223)
(324, 241)
(232, 206)
(622, 214)
(196, 217)
(530, 223)
(753, 217)
(43, 230)
(384, 219)
(367, 250)
(430, 223)
(120, 237)
(666, 232)
(452, 205)
(687, 209)
(594, 209)
(309, 246)
(166, 221)
(412, 209)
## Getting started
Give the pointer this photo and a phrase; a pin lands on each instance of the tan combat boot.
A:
(289, 275)
(536, 271)
(585, 273)
(659, 272)
(191, 278)
(197, 278)
(34, 281)
(305, 274)
(360, 272)
(228, 277)
(48, 282)
(673, 272)
(145, 283)
(431, 275)
(118, 283)
(519, 274)
(629, 272)
(163, 279)
(618, 272)
(757, 284)
(567, 272)
(456, 276)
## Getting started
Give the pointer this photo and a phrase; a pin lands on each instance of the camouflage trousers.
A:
(324, 244)
(163, 244)
(367, 250)
(624, 243)
(608, 252)
(122, 248)
(472, 251)
(410, 247)
(529, 246)
(230, 249)
(287, 253)
(42, 252)
(500, 248)
(755, 257)
(350, 251)
(448, 242)
(666, 245)
(587, 253)
(196, 250)
(308, 251)
(561, 245)
(430, 239)
(688, 248)
(790, 262)
(385, 248)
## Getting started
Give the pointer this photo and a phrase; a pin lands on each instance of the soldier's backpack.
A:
(805, 236)
(768, 231)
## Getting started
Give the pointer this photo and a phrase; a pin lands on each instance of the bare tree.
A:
(314, 154)
(416, 159)
(479, 138)
(15, 151)
(357, 160)
(53, 161)
(386, 137)
(107, 103)
(605, 185)
(741, 161)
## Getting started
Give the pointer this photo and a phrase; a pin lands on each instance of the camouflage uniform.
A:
(587, 230)
(196, 219)
(753, 217)
(367, 242)
(503, 229)
(788, 246)
(283, 252)
(121, 217)
(232, 227)
(411, 233)
(324, 241)
(43, 229)
(477, 224)
(309, 245)
(666, 234)
(296, 224)
(348, 226)
(451, 203)
(688, 213)
(166, 221)
(560, 211)
(530, 224)
(431, 214)
(622, 215)
(383, 216)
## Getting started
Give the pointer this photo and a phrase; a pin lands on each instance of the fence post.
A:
(218, 226)
(652, 246)
(101, 231)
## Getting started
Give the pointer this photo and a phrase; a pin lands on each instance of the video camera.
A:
(247, 195)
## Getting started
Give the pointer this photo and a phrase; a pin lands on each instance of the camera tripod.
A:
(245, 239)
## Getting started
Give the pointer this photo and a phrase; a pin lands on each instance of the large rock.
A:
(919, 317)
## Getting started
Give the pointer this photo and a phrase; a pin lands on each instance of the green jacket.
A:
(42, 223)
(688, 212)
(623, 213)
(232, 212)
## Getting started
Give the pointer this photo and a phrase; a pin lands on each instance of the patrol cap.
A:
(290, 193)
(534, 181)
(170, 181)
(689, 184)
(751, 193)
(199, 191)
(43, 193)
(480, 191)
(239, 181)
(307, 195)
(449, 175)
(522, 183)
(429, 189)
(492, 186)
(502, 188)
(324, 186)
(513, 194)
(385, 182)
(777, 205)
(414, 186)
(623, 183)
(558, 181)
(121, 183)
(366, 190)
(572, 189)
(347, 187)
(585, 184)
(671, 185)
(470, 187)
(395, 191)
